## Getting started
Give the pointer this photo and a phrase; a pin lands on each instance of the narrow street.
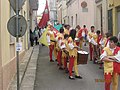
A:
(49, 77)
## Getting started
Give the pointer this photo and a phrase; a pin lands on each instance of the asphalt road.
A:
(49, 77)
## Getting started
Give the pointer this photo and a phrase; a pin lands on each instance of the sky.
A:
(41, 6)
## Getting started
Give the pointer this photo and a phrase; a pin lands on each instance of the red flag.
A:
(45, 17)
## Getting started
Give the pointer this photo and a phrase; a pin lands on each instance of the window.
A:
(68, 20)
(76, 19)
(72, 21)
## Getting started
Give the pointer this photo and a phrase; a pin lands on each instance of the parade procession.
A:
(66, 46)
(59, 44)
(67, 49)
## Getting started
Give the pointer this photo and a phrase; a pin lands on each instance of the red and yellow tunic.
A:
(51, 37)
(110, 67)
(71, 49)
(66, 31)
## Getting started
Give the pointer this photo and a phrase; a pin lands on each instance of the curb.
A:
(23, 67)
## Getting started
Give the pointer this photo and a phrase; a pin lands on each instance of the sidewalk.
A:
(27, 70)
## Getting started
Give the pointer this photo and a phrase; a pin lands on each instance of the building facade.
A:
(101, 22)
(59, 11)
(80, 12)
(114, 16)
(8, 42)
(53, 11)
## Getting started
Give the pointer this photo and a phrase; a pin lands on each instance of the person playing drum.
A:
(65, 53)
(72, 47)
(92, 37)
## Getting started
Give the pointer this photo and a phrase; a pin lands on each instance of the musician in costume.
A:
(77, 31)
(66, 29)
(72, 48)
(111, 58)
(102, 45)
(50, 40)
(99, 37)
(65, 54)
(60, 37)
(92, 38)
(84, 33)
(108, 35)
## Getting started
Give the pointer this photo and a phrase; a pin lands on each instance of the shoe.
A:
(100, 67)
(66, 71)
(60, 68)
(71, 77)
(72, 71)
(51, 60)
(78, 77)
(56, 60)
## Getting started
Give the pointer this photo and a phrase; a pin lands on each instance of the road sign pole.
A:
(17, 41)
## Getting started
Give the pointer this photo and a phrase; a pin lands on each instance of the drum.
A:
(82, 57)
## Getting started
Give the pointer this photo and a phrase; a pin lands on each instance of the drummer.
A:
(92, 37)
(72, 47)
(65, 53)
(77, 31)
(50, 40)
(60, 37)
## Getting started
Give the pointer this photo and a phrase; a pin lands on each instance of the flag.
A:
(58, 27)
(45, 17)
(43, 38)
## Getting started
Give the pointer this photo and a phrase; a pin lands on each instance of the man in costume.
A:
(65, 53)
(60, 37)
(111, 58)
(77, 35)
(72, 48)
(84, 33)
(66, 29)
(92, 37)
(51, 41)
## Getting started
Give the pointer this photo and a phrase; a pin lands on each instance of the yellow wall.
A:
(112, 4)
(5, 13)
(7, 50)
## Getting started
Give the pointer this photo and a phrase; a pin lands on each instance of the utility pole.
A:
(17, 41)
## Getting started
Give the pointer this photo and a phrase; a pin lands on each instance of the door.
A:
(118, 20)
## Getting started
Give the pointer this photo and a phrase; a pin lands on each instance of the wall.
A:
(7, 49)
(113, 4)
(0, 52)
(101, 9)
(86, 18)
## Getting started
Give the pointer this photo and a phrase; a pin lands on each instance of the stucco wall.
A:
(7, 49)
(86, 18)
(112, 4)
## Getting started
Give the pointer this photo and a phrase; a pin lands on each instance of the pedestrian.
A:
(36, 35)
(111, 56)
(31, 38)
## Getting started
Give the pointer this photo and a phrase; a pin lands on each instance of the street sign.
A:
(13, 4)
(19, 46)
(11, 25)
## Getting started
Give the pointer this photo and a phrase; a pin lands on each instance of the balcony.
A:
(34, 4)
